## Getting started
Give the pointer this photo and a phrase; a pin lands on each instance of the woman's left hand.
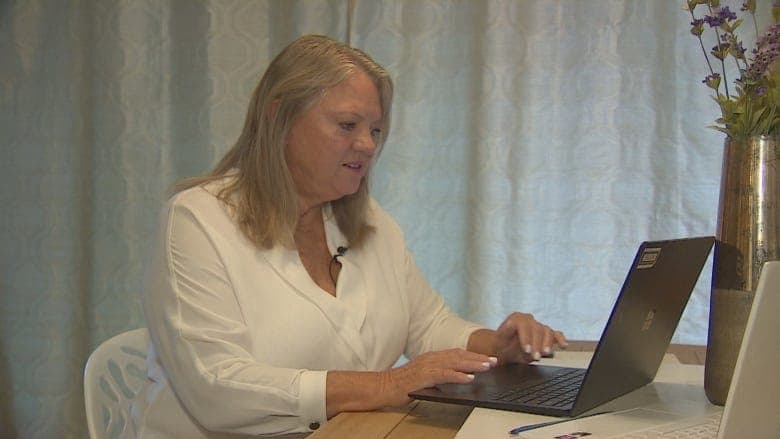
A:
(521, 339)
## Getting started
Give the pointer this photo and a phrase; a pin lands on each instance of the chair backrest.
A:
(113, 376)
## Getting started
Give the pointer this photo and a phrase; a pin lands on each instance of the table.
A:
(432, 420)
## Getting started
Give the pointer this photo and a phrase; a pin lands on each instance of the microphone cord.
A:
(334, 261)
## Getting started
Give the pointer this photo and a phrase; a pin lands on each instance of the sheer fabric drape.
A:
(535, 144)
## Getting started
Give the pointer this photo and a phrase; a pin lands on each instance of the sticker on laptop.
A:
(648, 258)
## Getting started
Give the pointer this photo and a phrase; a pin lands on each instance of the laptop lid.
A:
(643, 320)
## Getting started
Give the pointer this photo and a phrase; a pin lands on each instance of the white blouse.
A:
(242, 338)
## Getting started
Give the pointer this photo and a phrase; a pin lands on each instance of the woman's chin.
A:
(347, 193)
(351, 189)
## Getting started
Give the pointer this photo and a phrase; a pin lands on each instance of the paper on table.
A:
(609, 425)
(674, 381)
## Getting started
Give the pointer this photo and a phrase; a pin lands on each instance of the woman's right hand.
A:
(353, 391)
(430, 369)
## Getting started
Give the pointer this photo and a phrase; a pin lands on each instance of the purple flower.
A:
(753, 95)
(766, 52)
(721, 16)
(726, 14)
(713, 21)
(697, 27)
(771, 35)
(712, 81)
(738, 50)
(720, 51)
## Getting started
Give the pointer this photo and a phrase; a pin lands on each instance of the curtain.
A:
(534, 145)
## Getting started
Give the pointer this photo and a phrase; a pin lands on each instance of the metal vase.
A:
(748, 234)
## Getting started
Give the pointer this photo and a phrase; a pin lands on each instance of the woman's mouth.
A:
(356, 166)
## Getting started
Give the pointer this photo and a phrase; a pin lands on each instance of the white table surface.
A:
(675, 384)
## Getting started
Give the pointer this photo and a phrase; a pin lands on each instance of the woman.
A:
(280, 294)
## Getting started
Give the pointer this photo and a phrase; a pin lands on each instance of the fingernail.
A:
(486, 365)
(528, 349)
(470, 376)
(546, 350)
(537, 356)
(493, 361)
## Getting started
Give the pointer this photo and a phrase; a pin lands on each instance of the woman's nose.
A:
(366, 142)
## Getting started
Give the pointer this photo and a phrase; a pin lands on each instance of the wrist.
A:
(387, 384)
(395, 385)
(356, 391)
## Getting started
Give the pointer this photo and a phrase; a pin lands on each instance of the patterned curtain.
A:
(535, 144)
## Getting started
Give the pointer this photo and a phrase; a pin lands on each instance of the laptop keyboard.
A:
(705, 427)
(559, 391)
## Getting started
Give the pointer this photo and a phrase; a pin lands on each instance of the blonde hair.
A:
(262, 196)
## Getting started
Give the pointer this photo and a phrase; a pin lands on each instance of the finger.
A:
(553, 338)
(509, 346)
(457, 359)
(560, 339)
(476, 365)
(462, 354)
(547, 342)
(439, 376)
(467, 361)
(537, 332)
(507, 331)
(420, 378)
(445, 376)
(515, 330)
(461, 378)
(522, 357)
(432, 377)
(528, 335)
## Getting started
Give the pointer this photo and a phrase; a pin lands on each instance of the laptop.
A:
(632, 345)
(751, 408)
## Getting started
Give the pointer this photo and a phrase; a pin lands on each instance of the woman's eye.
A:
(347, 126)
(376, 132)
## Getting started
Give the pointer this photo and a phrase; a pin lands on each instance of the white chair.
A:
(113, 375)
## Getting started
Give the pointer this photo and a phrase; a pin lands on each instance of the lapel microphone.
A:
(340, 251)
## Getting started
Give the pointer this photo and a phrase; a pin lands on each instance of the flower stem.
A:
(722, 63)
(755, 24)
(701, 43)
(706, 58)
